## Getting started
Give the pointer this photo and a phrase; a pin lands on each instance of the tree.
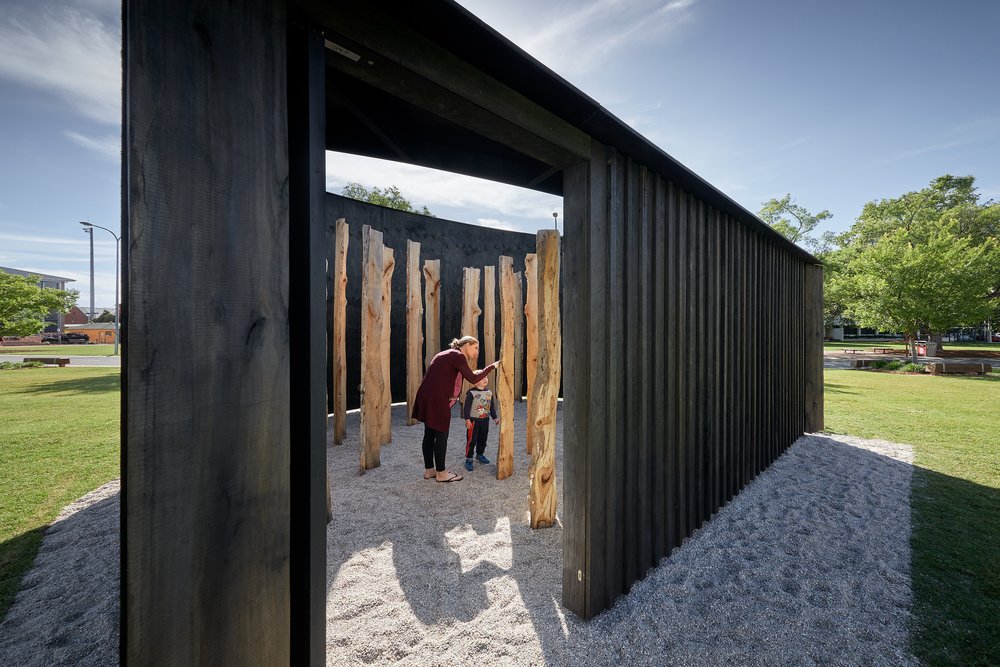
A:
(796, 223)
(24, 305)
(390, 197)
(105, 317)
(926, 261)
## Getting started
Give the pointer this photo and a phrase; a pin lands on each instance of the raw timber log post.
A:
(518, 337)
(531, 335)
(489, 345)
(385, 404)
(470, 315)
(542, 475)
(371, 343)
(414, 334)
(432, 309)
(505, 374)
(341, 238)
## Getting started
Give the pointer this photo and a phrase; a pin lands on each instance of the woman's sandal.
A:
(452, 478)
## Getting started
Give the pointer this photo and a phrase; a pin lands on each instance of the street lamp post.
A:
(90, 316)
(117, 304)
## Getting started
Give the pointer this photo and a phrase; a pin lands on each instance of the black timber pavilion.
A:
(692, 332)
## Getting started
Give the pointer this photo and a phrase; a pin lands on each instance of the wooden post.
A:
(542, 476)
(489, 346)
(432, 309)
(371, 344)
(518, 337)
(505, 374)
(385, 404)
(414, 333)
(470, 315)
(531, 336)
(341, 239)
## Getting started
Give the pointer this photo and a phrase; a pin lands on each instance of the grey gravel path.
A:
(808, 566)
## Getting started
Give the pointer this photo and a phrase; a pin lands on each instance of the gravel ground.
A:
(808, 566)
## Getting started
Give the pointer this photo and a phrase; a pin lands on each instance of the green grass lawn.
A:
(952, 424)
(60, 441)
(95, 350)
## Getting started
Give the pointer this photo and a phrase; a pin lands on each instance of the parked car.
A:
(71, 337)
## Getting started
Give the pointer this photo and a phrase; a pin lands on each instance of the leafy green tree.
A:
(927, 261)
(24, 305)
(390, 197)
(796, 223)
(105, 317)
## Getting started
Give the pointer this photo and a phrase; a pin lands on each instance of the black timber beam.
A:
(307, 344)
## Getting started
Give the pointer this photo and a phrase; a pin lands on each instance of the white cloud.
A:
(476, 198)
(107, 146)
(67, 50)
(575, 36)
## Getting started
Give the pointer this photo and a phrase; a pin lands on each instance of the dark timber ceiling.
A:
(427, 83)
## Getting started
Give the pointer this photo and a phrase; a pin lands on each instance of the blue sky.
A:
(837, 103)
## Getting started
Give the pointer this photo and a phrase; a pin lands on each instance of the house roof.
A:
(41, 276)
(91, 326)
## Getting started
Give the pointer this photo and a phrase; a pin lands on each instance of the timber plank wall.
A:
(688, 346)
(456, 244)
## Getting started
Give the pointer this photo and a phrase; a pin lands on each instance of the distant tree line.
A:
(923, 262)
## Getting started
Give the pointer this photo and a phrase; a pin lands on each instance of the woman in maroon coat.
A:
(437, 393)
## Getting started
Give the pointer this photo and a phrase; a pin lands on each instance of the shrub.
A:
(894, 365)
(14, 365)
(913, 368)
(878, 364)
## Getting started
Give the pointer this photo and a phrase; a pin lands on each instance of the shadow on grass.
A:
(956, 572)
(837, 388)
(98, 384)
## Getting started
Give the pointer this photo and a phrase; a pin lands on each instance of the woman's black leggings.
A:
(435, 448)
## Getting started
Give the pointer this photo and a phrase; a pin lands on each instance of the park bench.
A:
(883, 350)
(850, 350)
(52, 361)
(939, 368)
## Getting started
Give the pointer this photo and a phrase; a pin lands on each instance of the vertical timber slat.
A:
(342, 238)
(505, 373)
(432, 310)
(542, 495)
(414, 331)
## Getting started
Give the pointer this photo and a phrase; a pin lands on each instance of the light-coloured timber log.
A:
(489, 346)
(341, 239)
(371, 345)
(385, 404)
(414, 332)
(518, 337)
(432, 309)
(505, 374)
(531, 337)
(470, 315)
(545, 396)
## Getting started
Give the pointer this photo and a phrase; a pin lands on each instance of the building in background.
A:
(55, 320)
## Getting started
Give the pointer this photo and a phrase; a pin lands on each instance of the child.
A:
(478, 410)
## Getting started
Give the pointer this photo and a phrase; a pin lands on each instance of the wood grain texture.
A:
(813, 335)
(432, 309)
(385, 403)
(206, 539)
(372, 389)
(505, 373)
(341, 241)
(542, 496)
(518, 336)
(489, 345)
(470, 316)
(530, 336)
(414, 328)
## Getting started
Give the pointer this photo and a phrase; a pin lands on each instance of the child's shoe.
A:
(482, 459)
(468, 464)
